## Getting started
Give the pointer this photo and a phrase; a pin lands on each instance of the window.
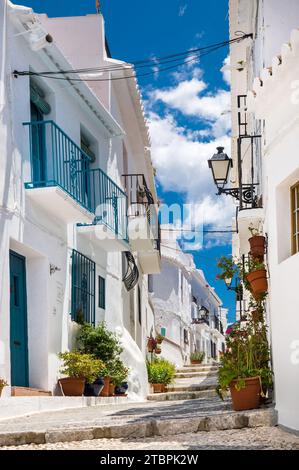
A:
(83, 289)
(182, 286)
(102, 293)
(87, 147)
(150, 283)
(139, 305)
(295, 217)
(186, 336)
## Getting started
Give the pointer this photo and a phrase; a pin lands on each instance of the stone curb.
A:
(145, 428)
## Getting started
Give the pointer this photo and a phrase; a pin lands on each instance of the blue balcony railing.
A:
(56, 160)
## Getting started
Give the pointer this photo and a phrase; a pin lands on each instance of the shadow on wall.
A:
(133, 358)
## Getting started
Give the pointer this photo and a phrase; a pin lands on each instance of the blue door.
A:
(38, 149)
(18, 321)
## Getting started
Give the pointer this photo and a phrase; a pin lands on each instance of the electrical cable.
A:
(192, 54)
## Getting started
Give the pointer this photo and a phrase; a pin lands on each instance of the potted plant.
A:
(3, 384)
(79, 368)
(257, 243)
(256, 275)
(244, 366)
(197, 357)
(102, 344)
(118, 375)
(158, 349)
(159, 339)
(95, 388)
(160, 373)
(151, 344)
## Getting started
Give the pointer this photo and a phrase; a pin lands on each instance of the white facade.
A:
(40, 223)
(178, 293)
(270, 81)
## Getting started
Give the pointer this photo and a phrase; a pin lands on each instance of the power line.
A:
(187, 56)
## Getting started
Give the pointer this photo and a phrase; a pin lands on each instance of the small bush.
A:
(83, 366)
(197, 356)
(98, 341)
(160, 371)
(117, 372)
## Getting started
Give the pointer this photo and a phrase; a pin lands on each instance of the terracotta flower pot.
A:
(257, 247)
(151, 344)
(158, 351)
(248, 398)
(158, 388)
(72, 387)
(258, 282)
(193, 361)
(106, 389)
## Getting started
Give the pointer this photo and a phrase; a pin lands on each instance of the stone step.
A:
(29, 392)
(183, 395)
(200, 366)
(138, 420)
(198, 371)
(177, 387)
(191, 375)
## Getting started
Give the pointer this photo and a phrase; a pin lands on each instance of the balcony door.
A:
(38, 148)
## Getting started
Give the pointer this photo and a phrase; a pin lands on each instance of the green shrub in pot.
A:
(99, 341)
(197, 357)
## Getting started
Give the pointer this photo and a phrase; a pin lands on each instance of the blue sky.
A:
(188, 110)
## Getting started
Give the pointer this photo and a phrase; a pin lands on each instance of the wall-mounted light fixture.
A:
(53, 269)
(220, 165)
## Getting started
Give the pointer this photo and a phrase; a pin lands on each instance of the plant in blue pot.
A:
(118, 374)
(94, 389)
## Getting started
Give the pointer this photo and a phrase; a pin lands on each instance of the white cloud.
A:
(226, 71)
(188, 98)
(181, 155)
(182, 9)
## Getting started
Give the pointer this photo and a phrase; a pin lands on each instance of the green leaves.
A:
(78, 365)
(197, 356)
(160, 371)
(99, 341)
(247, 355)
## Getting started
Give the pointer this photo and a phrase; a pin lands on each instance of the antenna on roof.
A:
(98, 6)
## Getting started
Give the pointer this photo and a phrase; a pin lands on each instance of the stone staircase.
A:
(191, 382)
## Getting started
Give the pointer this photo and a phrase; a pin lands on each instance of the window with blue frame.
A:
(102, 292)
(83, 288)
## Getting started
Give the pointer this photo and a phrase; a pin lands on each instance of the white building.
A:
(65, 146)
(265, 74)
(186, 307)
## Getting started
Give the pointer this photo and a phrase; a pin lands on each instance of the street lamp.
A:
(220, 165)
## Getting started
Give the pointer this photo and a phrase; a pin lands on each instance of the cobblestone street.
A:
(265, 438)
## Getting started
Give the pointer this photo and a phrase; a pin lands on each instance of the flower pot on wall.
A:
(151, 344)
(257, 247)
(72, 387)
(258, 282)
(105, 390)
(248, 397)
